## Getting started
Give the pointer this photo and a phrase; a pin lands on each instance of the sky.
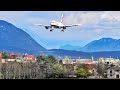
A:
(94, 25)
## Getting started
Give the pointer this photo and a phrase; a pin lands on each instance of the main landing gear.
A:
(62, 30)
(51, 30)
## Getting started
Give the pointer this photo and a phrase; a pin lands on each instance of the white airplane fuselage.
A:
(56, 24)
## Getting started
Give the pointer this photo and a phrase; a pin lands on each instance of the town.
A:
(24, 66)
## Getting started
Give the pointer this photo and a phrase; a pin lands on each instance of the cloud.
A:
(13, 16)
(83, 18)
(98, 31)
(111, 15)
(95, 24)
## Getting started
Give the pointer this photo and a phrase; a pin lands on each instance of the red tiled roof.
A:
(90, 67)
(13, 54)
(30, 56)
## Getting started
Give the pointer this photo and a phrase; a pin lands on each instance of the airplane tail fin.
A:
(62, 18)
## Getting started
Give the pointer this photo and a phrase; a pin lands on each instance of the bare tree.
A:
(27, 70)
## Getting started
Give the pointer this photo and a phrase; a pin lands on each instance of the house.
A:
(84, 61)
(3, 61)
(30, 57)
(13, 55)
(66, 60)
(112, 72)
(95, 62)
(92, 71)
(1, 55)
(109, 61)
(19, 57)
(12, 60)
(90, 68)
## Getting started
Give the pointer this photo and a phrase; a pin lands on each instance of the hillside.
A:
(103, 44)
(76, 54)
(13, 39)
(69, 47)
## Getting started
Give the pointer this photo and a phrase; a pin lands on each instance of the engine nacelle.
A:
(46, 27)
(64, 27)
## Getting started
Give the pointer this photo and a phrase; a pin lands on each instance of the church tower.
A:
(92, 58)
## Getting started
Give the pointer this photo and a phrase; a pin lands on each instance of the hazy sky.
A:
(95, 25)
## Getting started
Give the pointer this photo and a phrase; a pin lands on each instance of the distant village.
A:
(17, 57)
(66, 67)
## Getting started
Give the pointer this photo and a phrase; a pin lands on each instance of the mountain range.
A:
(70, 47)
(103, 44)
(13, 39)
(75, 54)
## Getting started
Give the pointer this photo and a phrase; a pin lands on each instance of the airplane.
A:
(57, 25)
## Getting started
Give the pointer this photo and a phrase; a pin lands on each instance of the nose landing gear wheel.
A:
(50, 30)
(62, 30)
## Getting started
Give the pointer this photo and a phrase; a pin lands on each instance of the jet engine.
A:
(46, 27)
(64, 27)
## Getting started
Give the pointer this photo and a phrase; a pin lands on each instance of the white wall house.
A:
(113, 72)
(109, 61)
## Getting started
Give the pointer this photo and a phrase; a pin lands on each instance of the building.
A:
(1, 55)
(84, 61)
(30, 57)
(13, 55)
(112, 72)
(66, 60)
(3, 61)
(90, 68)
(13, 60)
(109, 61)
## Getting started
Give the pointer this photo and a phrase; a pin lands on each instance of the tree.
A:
(45, 63)
(5, 56)
(1, 76)
(100, 68)
(60, 61)
(69, 70)
(75, 68)
(41, 59)
(57, 70)
(51, 59)
(15, 70)
(64, 67)
(46, 59)
(81, 73)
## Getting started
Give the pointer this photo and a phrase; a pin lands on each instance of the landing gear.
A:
(62, 30)
(51, 30)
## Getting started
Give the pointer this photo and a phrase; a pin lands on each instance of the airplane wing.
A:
(46, 26)
(42, 25)
(73, 25)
